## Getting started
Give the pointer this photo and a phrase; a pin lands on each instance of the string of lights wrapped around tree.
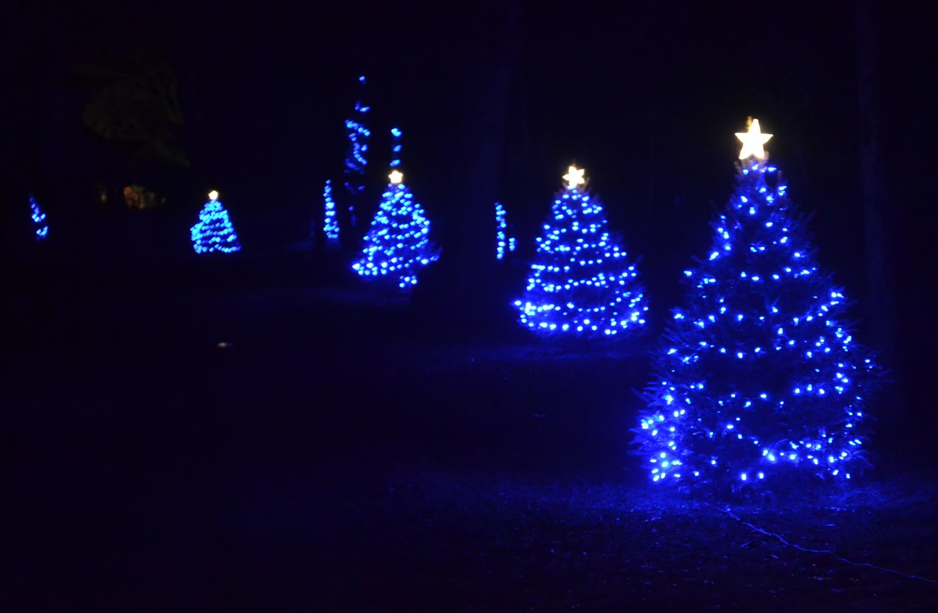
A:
(330, 226)
(356, 160)
(39, 220)
(503, 243)
(581, 282)
(214, 232)
(397, 244)
(761, 381)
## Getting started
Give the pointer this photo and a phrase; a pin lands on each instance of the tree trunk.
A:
(462, 284)
(880, 301)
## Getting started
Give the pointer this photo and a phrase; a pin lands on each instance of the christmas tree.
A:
(355, 160)
(39, 220)
(581, 282)
(330, 226)
(503, 242)
(760, 381)
(214, 231)
(397, 245)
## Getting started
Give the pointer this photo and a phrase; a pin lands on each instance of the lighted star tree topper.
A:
(39, 220)
(503, 242)
(761, 382)
(214, 232)
(397, 244)
(582, 282)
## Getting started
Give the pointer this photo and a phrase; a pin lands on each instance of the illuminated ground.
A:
(316, 463)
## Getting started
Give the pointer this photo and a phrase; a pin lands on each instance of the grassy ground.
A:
(316, 461)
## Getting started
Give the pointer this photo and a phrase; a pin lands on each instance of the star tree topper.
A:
(213, 195)
(753, 141)
(574, 177)
(396, 177)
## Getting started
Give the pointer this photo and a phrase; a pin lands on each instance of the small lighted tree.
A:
(397, 245)
(581, 283)
(760, 382)
(504, 243)
(39, 220)
(330, 226)
(214, 232)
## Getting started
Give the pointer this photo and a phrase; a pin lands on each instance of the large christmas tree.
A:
(214, 232)
(760, 381)
(581, 282)
(397, 244)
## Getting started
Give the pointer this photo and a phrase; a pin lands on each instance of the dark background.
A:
(365, 458)
(645, 95)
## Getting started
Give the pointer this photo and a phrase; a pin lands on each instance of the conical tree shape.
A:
(760, 381)
(581, 282)
(214, 232)
(397, 244)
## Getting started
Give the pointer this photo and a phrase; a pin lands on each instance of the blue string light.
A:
(761, 380)
(331, 224)
(395, 147)
(503, 242)
(39, 220)
(214, 232)
(397, 244)
(355, 160)
(581, 282)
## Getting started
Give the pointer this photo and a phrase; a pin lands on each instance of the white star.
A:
(213, 195)
(753, 141)
(396, 177)
(574, 177)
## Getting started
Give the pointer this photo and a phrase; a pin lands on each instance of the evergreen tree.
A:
(214, 232)
(330, 225)
(504, 243)
(355, 159)
(581, 282)
(760, 381)
(39, 220)
(397, 244)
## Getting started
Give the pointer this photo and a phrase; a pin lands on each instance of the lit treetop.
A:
(753, 140)
(581, 282)
(761, 380)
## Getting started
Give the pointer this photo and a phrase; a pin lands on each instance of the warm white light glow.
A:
(213, 195)
(574, 177)
(753, 141)
(396, 177)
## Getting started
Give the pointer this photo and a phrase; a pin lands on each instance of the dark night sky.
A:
(646, 95)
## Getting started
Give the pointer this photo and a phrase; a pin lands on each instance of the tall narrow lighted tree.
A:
(504, 241)
(582, 282)
(40, 226)
(761, 382)
(330, 226)
(397, 244)
(214, 232)
(356, 157)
